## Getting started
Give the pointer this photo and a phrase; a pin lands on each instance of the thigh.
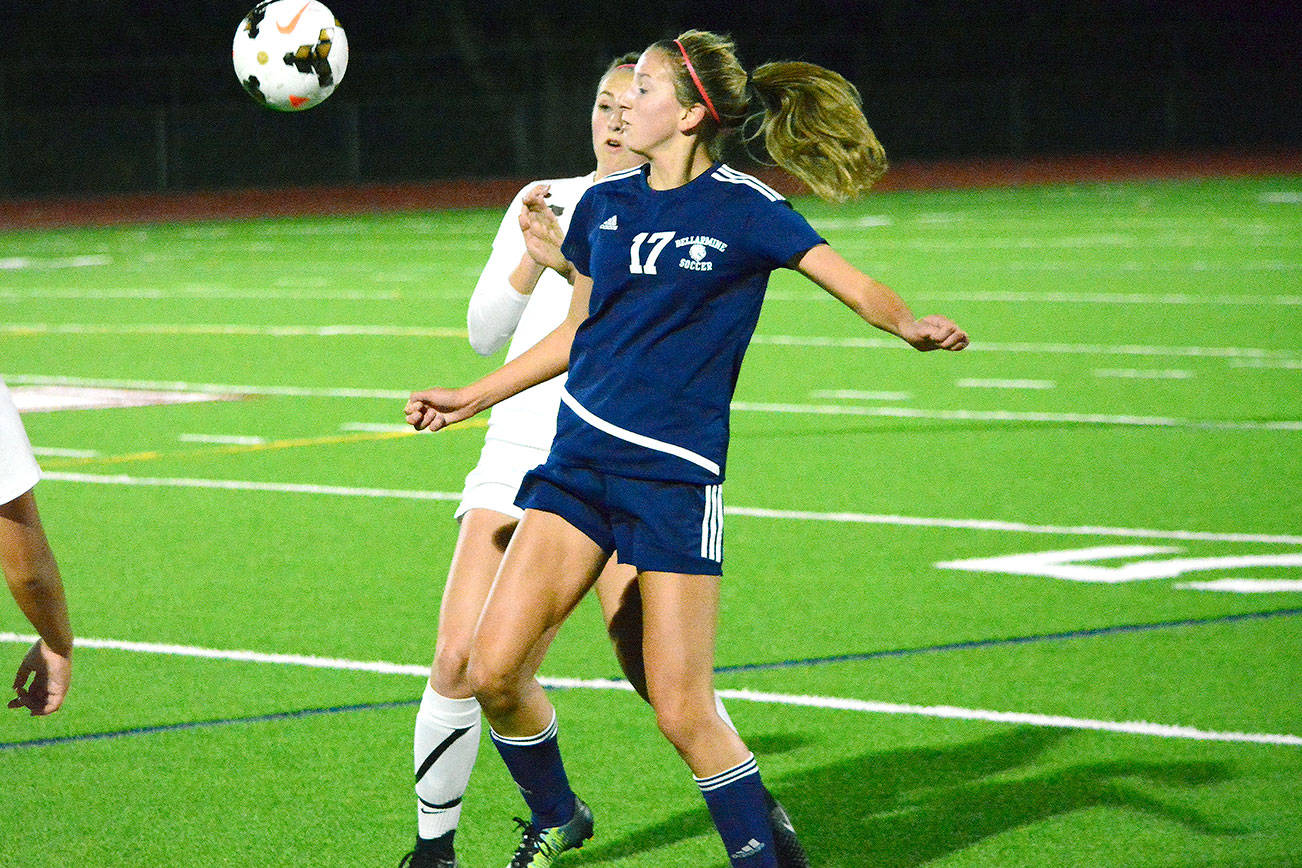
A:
(548, 567)
(481, 543)
(679, 621)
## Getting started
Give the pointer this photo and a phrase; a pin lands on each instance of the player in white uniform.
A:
(31, 571)
(518, 298)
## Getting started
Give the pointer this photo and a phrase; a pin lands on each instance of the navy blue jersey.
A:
(678, 280)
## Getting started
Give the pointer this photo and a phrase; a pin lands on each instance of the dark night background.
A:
(140, 95)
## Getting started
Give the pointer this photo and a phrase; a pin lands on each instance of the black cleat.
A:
(789, 852)
(417, 859)
(540, 847)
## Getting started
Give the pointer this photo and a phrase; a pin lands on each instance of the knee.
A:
(497, 687)
(449, 675)
(682, 720)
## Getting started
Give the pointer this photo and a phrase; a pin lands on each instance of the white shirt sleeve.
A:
(495, 306)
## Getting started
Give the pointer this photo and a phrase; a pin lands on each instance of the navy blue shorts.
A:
(671, 527)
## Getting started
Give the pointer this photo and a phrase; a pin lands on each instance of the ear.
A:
(690, 118)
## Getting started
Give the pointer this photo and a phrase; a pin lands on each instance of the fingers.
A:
(939, 333)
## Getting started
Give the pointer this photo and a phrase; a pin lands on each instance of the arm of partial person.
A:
(438, 408)
(876, 303)
(33, 578)
(504, 286)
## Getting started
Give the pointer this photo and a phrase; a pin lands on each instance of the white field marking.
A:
(17, 263)
(1017, 297)
(1138, 374)
(751, 512)
(56, 452)
(164, 385)
(285, 331)
(865, 222)
(1279, 364)
(1174, 298)
(211, 293)
(1157, 730)
(1246, 586)
(857, 395)
(742, 406)
(372, 427)
(875, 343)
(1073, 565)
(971, 383)
(48, 399)
(1282, 197)
(244, 485)
(1017, 416)
(228, 439)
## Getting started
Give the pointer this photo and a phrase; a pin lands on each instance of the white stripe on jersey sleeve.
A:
(615, 176)
(732, 176)
(633, 437)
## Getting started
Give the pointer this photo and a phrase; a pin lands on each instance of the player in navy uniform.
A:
(672, 261)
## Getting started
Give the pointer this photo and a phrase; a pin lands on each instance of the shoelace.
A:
(531, 843)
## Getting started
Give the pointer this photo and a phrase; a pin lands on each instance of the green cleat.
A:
(540, 847)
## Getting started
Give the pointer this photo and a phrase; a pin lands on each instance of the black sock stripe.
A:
(442, 807)
(438, 751)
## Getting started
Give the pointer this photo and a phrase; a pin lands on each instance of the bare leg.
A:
(679, 620)
(547, 569)
(621, 607)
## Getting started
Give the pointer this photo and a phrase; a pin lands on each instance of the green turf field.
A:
(1132, 401)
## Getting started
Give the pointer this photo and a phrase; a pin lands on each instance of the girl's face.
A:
(651, 109)
(608, 126)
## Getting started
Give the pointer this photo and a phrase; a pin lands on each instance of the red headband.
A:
(700, 87)
(626, 66)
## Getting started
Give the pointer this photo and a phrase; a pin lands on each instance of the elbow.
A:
(484, 345)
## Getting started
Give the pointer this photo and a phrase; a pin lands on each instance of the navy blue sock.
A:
(739, 806)
(535, 764)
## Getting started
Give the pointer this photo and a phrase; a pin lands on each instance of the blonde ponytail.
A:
(810, 119)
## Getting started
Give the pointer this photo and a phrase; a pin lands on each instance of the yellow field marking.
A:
(239, 449)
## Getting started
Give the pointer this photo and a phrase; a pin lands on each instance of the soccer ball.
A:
(290, 54)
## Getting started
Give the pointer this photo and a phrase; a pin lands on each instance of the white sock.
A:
(445, 745)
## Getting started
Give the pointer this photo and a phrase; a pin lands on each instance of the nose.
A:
(615, 122)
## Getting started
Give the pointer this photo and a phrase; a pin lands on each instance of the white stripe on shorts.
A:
(712, 524)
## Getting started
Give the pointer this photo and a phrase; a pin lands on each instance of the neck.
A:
(678, 166)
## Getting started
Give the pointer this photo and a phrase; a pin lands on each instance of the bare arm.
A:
(876, 303)
(33, 578)
(438, 408)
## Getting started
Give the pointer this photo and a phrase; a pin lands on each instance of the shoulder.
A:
(745, 186)
(622, 178)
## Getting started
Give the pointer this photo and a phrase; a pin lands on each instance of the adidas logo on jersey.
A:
(612, 223)
(752, 848)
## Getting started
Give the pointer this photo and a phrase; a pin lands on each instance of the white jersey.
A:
(18, 469)
(498, 313)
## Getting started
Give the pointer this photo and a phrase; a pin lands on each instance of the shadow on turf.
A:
(908, 807)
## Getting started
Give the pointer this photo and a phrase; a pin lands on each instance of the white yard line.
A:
(1156, 730)
(972, 383)
(283, 331)
(752, 512)
(1018, 416)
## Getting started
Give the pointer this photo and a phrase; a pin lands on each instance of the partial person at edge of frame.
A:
(45, 672)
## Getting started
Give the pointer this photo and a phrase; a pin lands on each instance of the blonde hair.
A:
(809, 118)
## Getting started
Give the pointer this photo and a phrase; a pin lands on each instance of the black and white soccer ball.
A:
(290, 54)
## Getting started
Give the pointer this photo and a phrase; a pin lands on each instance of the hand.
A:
(934, 333)
(542, 231)
(50, 674)
(436, 409)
